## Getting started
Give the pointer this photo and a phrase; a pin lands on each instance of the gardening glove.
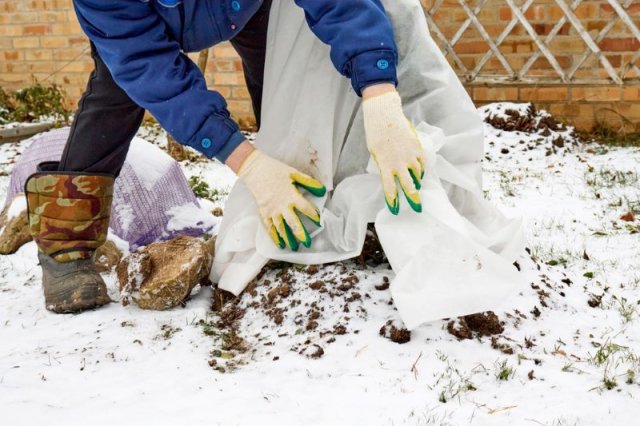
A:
(394, 146)
(274, 185)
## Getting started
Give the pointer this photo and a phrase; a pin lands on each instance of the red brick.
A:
(631, 93)
(555, 13)
(606, 11)
(499, 94)
(587, 11)
(536, 13)
(36, 29)
(543, 63)
(471, 47)
(544, 93)
(544, 29)
(13, 55)
(627, 44)
(506, 13)
(596, 94)
(595, 25)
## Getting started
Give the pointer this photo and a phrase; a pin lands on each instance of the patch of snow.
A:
(499, 109)
(574, 332)
(18, 205)
(151, 162)
(124, 213)
(121, 244)
(190, 216)
(207, 205)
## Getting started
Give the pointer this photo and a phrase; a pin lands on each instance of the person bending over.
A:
(138, 47)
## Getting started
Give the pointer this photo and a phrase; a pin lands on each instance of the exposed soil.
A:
(628, 217)
(537, 122)
(505, 348)
(312, 306)
(595, 301)
(531, 122)
(305, 309)
(372, 252)
(283, 294)
(476, 325)
(312, 351)
(395, 331)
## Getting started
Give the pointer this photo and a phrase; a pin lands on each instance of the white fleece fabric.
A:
(455, 257)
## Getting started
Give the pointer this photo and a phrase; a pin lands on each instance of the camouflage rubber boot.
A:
(69, 219)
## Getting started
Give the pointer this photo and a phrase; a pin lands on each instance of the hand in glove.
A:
(394, 146)
(275, 185)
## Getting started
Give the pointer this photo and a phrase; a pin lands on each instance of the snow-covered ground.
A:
(303, 346)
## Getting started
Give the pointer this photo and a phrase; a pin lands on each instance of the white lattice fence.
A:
(539, 41)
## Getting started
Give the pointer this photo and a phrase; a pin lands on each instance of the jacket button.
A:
(382, 64)
(234, 26)
(235, 5)
(206, 143)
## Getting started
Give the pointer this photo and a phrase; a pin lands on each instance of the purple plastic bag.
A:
(152, 199)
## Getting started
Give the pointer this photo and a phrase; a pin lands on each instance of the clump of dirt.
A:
(595, 300)
(312, 351)
(162, 275)
(305, 309)
(486, 323)
(482, 324)
(460, 329)
(384, 285)
(313, 313)
(396, 332)
(220, 299)
(281, 292)
(532, 121)
(536, 312)
(505, 348)
(313, 269)
(372, 253)
(628, 217)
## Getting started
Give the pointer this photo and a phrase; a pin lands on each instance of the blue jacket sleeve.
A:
(361, 38)
(132, 41)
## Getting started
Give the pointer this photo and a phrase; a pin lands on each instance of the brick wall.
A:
(591, 94)
(41, 39)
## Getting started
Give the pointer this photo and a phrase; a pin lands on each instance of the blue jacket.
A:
(141, 42)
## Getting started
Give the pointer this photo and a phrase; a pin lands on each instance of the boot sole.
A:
(74, 300)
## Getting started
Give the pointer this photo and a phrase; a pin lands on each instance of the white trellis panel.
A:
(543, 43)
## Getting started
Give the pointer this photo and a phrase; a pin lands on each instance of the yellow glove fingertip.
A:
(312, 185)
(414, 177)
(413, 198)
(393, 204)
(277, 239)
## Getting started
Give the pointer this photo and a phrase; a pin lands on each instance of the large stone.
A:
(14, 226)
(107, 257)
(161, 275)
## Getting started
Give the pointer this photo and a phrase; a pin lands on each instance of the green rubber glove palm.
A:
(275, 185)
(394, 146)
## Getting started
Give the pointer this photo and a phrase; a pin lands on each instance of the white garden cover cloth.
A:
(453, 259)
